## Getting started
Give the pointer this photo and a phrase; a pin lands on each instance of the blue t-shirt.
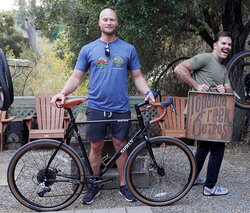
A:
(107, 89)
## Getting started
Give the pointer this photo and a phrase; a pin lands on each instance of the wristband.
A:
(149, 92)
(63, 93)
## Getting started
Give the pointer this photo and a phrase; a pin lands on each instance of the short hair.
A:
(222, 34)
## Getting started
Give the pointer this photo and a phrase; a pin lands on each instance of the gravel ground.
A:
(235, 175)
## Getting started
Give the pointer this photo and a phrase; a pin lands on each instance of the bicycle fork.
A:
(160, 170)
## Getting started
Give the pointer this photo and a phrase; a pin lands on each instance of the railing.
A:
(25, 105)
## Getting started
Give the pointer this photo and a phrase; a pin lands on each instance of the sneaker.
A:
(127, 194)
(215, 191)
(90, 195)
(199, 181)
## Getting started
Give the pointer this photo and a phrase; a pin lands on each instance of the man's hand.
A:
(220, 88)
(59, 96)
(150, 96)
(202, 88)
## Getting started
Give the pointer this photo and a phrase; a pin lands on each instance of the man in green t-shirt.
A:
(201, 72)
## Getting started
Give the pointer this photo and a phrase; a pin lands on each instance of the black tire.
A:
(154, 189)
(238, 69)
(26, 175)
(6, 85)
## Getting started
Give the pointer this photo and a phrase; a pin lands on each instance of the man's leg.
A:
(121, 162)
(214, 163)
(96, 134)
(200, 155)
(95, 155)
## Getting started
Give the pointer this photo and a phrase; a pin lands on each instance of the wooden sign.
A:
(210, 116)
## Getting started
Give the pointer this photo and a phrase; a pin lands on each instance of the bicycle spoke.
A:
(239, 76)
(46, 187)
(158, 188)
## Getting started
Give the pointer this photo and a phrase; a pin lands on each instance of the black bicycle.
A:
(48, 175)
(6, 86)
(239, 76)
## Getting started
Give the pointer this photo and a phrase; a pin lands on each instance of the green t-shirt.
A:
(208, 70)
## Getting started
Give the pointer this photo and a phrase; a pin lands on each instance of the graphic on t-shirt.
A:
(118, 61)
(101, 62)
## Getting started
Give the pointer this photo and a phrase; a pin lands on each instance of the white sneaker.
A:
(199, 181)
(215, 191)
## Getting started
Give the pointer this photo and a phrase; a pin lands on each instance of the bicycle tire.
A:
(7, 96)
(237, 68)
(26, 176)
(179, 165)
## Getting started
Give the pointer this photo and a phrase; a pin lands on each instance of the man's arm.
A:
(141, 84)
(183, 71)
(70, 86)
(73, 82)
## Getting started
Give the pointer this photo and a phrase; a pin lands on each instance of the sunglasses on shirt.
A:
(107, 52)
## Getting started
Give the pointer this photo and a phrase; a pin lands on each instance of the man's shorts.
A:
(98, 131)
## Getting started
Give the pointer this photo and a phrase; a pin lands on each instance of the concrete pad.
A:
(3, 174)
(100, 211)
(139, 209)
(117, 210)
(66, 211)
(83, 211)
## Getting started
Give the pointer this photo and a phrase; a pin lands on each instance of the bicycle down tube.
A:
(73, 125)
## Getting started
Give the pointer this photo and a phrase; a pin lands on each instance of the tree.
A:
(148, 24)
(10, 38)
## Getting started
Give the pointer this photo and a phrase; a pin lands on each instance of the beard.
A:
(108, 32)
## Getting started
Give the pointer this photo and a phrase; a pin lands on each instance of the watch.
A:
(149, 92)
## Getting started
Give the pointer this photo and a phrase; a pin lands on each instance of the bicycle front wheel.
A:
(43, 189)
(239, 76)
(167, 184)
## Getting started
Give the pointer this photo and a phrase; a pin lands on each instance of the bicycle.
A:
(41, 177)
(239, 65)
(6, 86)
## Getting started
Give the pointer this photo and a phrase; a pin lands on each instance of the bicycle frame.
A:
(143, 127)
(73, 125)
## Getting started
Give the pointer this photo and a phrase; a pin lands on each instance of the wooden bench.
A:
(4, 120)
(173, 124)
(51, 121)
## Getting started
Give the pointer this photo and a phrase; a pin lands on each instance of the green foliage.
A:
(52, 72)
(157, 28)
(35, 72)
(10, 39)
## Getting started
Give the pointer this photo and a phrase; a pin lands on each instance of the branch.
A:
(203, 33)
(247, 26)
(168, 66)
(210, 21)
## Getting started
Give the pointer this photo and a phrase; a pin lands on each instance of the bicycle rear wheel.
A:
(6, 86)
(239, 76)
(41, 191)
(175, 179)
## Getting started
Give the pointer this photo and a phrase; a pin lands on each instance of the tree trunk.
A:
(29, 28)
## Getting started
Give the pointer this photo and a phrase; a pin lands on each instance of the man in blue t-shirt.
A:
(108, 60)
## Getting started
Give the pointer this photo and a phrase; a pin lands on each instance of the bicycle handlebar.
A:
(162, 105)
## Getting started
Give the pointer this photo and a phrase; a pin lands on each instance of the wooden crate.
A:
(210, 116)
